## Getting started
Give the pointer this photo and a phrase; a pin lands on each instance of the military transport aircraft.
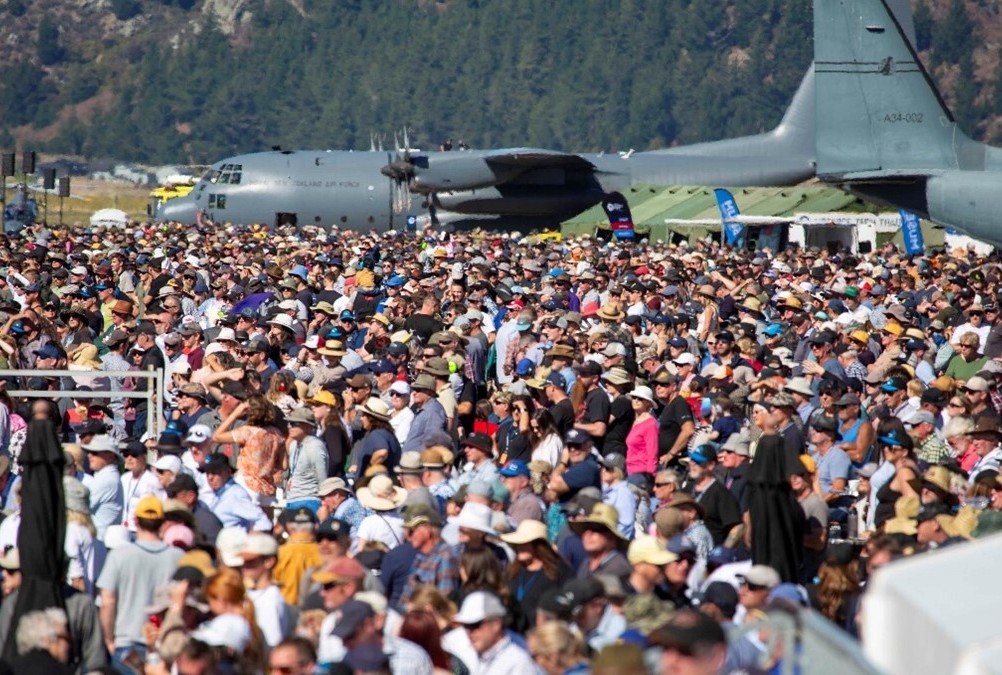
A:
(504, 188)
(886, 134)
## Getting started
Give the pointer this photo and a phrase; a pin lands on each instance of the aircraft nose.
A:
(180, 209)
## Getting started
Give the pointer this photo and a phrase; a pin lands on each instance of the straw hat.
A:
(605, 516)
(381, 494)
(905, 520)
(528, 531)
(332, 348)
(611, 312)
(375, 407)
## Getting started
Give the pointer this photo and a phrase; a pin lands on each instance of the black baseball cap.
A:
(182, 482)
(215, 463)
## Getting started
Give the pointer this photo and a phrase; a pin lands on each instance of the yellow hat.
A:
(150, 507)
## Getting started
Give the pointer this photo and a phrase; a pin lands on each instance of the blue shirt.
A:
(427, 420)
(106, 499)
(352, 513)
(833, 465)
(233, 506)
(625, 503)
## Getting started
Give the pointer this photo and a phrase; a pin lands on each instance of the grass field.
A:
(88, 196)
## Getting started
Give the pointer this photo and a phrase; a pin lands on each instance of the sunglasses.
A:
(474, 626)
(754, 587)
(331, 585)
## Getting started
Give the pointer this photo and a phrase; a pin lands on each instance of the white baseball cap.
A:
(400, 387)
(479, 606)
(170, 463)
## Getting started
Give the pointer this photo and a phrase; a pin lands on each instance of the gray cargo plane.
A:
(885, 133)
(516, 188)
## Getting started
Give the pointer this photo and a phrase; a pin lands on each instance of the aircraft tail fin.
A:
(797, 125)
(877, 108)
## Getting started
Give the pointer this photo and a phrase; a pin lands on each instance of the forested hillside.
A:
(194, 80)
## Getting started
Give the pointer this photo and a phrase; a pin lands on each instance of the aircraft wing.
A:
(536, 158)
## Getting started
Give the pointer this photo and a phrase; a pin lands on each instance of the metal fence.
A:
(152, 394)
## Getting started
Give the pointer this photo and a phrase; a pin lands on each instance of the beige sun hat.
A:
(381, 494)
(528, 531)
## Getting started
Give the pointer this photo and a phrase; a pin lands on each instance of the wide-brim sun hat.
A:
(527, 531)
(381, 494)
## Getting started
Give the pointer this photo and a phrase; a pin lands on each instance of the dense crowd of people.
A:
(481, 453)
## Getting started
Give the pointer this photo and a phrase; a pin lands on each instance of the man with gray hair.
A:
(666, 482)
(43, 642)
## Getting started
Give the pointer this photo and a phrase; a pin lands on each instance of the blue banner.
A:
(734, 233)
(911, 230)
(618, 212)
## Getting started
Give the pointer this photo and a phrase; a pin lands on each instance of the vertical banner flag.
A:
(734, 232)
(618, 212)
(911, 231)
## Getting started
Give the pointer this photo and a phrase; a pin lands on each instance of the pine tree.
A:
(951, 37)
(922, 18)
(49, 49)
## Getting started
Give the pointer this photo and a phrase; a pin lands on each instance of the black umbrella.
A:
(43, 527)
(777, 521)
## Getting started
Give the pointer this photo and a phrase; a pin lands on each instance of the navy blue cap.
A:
(49, 351)
(557, 380)
(576, 437)
(334, 529)
(382, 366)
(680, 342)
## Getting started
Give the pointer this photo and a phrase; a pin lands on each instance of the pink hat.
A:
(179, 535)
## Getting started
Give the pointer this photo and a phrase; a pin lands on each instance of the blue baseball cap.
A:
(704, 453)
(525, 367)
(680, 342)
(773, 329)
(515, 467)
(396, 281)
(892, 385)
(347, 315)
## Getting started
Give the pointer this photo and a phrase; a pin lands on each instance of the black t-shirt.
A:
(597, 409)
(670, 422)
(563, 415)
(721, 511)
(422, 325)
(622, 419)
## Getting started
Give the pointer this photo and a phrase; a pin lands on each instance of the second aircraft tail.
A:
(878, 111)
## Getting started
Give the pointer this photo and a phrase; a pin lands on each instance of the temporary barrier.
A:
(154, 403)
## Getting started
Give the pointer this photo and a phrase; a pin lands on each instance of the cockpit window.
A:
(229, 174)
(212, 175)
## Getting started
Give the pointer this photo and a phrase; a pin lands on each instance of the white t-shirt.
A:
(134, 489)
(271, 613)
(8, 531)
(330, 648)
(401, 423)
(549, 450)
(386, 526)
(85, 554)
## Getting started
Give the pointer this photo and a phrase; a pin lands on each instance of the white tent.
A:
(937, 612)
(109, 217)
